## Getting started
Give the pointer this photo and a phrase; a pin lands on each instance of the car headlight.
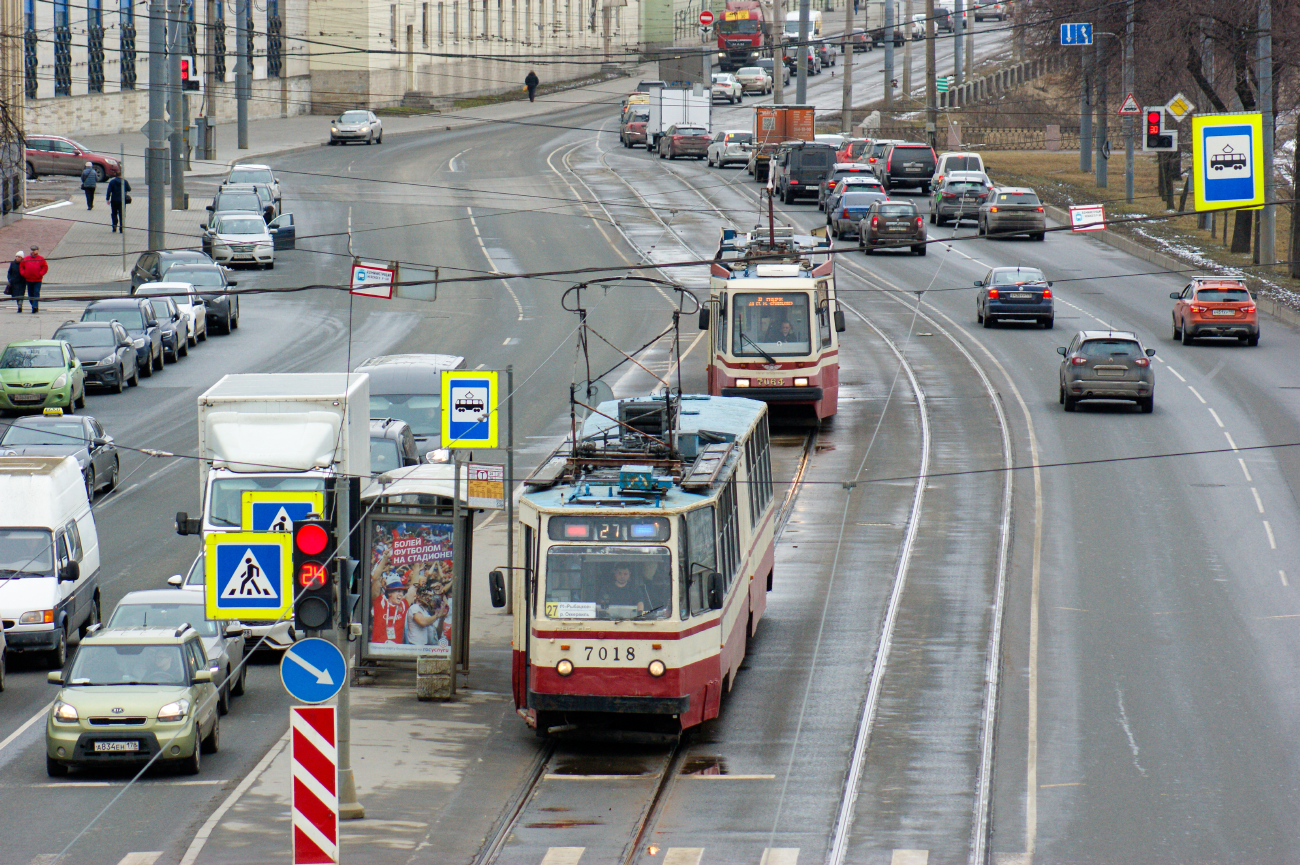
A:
(564, 667)
(264, 244)
(138, 341)
(37, 617)
(742, 382)
(65, 713)
(333, 129)
(60, 381)
(657, 668)
(174, 711)
(801, 382)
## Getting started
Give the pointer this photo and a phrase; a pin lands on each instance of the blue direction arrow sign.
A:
(248, 575)
(1076, 34)
(275, 510)
(312, 670)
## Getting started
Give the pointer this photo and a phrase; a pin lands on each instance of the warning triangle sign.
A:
(281, 522)
(1130, 106)
(249, 580)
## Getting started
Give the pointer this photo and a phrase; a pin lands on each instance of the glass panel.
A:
(163, 616)
(129, 665)
(1223, 295)
(384, 456)
(772, 324)
(422, 411)
(131, 319)
(31, 357)
(26, 553)
(55, 434)
(608, 582)
(1108, 348)
(87, 337)
(226, 508)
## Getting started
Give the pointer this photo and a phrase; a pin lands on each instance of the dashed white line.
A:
(1215, 415)
(1245, 471)
(492, 264)
(1174, 372)
(1162, 360)
(1272, 542)
(1232, 444)
(1259, 503)
(1197, 395)
(1282, 576)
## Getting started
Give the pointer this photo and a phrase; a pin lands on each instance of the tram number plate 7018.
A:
(769, 382)
(610, 653)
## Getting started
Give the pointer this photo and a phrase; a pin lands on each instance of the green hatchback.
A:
(133, 695)
(41, 373)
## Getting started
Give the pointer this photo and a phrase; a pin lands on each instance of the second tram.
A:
(774, 321)
(647, 554)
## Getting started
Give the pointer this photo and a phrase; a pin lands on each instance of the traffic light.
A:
(313, 585)
(189, 81)
(1155, 138)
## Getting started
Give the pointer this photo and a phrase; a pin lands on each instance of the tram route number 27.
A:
(610, 653)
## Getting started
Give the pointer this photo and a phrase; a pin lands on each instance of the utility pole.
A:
(1267, 235)
(970, 37)
(889, 56)
(801, 59)
(846, 102)
(1085, 113)
(1103, 131)
(931, 96)
(906, 89)
(957, 48)
(349, 807)
(156, 154)
(174, 98)
(243, 73)
(1128, 118)
(210, 65)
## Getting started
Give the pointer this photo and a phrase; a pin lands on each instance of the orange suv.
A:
(1215, 306)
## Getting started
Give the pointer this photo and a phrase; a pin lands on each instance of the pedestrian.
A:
(17, 286)
(531, 83)
(33, 269)
(118, 191)
(88, 180)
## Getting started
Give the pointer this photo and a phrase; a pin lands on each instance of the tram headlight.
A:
(801, 382)
(565, 667)
(657, 668)
(742, 382)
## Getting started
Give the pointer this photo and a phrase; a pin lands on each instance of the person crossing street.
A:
(89, 178)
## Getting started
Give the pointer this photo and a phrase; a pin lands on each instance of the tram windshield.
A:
(771, 325)
(608, 582)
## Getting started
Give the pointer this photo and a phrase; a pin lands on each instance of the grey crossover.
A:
(1107, 364)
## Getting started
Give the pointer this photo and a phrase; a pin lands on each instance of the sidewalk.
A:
(83, 252)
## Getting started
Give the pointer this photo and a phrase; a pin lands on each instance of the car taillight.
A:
(1141, 361)
(677, 138)
(918, 222)
(871, 159)
(1248, 309)
(875, 220)
(993, 294)
(1040, 210)
(1078, 361)
(950, 195)
(888, 161)
(1196, 308)
(845, 215)
(993, 209)
(794, 182)
(1047, 294)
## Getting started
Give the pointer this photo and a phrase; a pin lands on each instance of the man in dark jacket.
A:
(33, 270)
(17, 285)
(531, 83)
(89, 178)
(118, 187)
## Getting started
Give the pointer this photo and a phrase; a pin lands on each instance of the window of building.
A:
(424, 24)
(392, 23)
(30, 62)
(94, 46)
(442, 23)
(455, 21)
(62, 49)
(219, 42)
(274, 39)
(501, 19)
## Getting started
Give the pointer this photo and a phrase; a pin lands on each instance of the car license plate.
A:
(1110, 373)
(769, 382)
(1021, 295)
(1225, 312)
(116, 747)
(26, 397)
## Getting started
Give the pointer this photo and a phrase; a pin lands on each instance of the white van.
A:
(955, 160)
(49, 555)
(792, 25)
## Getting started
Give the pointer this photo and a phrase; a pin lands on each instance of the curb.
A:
(1267, 305)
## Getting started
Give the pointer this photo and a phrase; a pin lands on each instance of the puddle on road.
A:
(603, 765)
(704, 766)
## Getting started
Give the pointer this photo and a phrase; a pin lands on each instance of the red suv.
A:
(1215, 306)
(684, 141)
(54, 154)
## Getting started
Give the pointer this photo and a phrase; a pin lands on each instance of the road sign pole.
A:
(155, 162)
(1085, 112)
(1102, 120)
(509, 489)
(1264, 52)
(1128, 119)
(889, 58)
(931, 94)
(349, 807)
(846, 97)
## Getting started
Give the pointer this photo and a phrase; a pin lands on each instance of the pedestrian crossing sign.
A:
(249, 575)
(275, 510)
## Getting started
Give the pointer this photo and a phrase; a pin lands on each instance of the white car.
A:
(259, 635)
(247, 172)
(996, 11)
(241, 237)
(754, 79)
(918, 27)
(189, 301)
(729, 148)
(725, 86)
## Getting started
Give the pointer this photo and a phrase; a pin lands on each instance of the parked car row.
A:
(245, 224)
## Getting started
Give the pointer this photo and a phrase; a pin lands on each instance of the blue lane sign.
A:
(312, 670)
(1076, 34)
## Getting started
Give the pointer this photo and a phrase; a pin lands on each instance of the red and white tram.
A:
(773, 320)
(646, 555)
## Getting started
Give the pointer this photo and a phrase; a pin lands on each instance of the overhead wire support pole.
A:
(778, 52)
(1264, 52)
(1085, 112)
(889, 55)
(156, 154)
(243, 71)
(349, 807)
(509, 487)
(1128, 118)
(174, 98)
(957, 32)
(931, 86)
(846, 101)
(801, 59)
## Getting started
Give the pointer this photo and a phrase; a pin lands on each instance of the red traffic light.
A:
(1153, 122)
(311, 539)
(185, 70)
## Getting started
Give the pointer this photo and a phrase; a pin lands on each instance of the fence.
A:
(999, 82)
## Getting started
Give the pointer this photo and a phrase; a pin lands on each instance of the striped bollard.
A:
(313, 754)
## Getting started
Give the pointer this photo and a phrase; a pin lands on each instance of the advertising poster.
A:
(411, 588)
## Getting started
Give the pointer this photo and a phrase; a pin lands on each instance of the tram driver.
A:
(620, 591)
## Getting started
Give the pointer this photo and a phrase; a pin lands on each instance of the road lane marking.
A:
(563, 855)
(1215, 415)
(1161, 359)
(1258, 502)
(1197, 395)
(1282, 576)
(1174, 373)
(1272, 542)
(1212, 373)
(77, 784)
(209, 825)
(28, 723)
(780, 856)
(910, 857)
(140, 858)
(1232, 444)
(53, 206)
(683, 855)
(1245, 470)
(1069, 784)
(492, 263)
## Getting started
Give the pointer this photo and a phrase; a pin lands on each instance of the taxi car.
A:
(1107, 364)
(52, 434)
(1215, 306)
(36, 373)
(133, 695)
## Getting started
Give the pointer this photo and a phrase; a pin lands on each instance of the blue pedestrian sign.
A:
(248, 575)
(469, 409)
(313, 670)
(1076, 34)
(275, 510)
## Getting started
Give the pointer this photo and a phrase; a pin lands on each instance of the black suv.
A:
(212, 284)
(908, 164)
(798, 169)
(153, 266)
(137, 316)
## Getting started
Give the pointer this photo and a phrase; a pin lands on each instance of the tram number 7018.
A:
(610, 653)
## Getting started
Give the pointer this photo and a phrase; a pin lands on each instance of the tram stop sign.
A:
(706, 18)
(1227, 160)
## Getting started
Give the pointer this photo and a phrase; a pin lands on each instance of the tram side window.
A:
(722, 325)
(824, 324)
(728, 532)
(530, 584)
(698, 560)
